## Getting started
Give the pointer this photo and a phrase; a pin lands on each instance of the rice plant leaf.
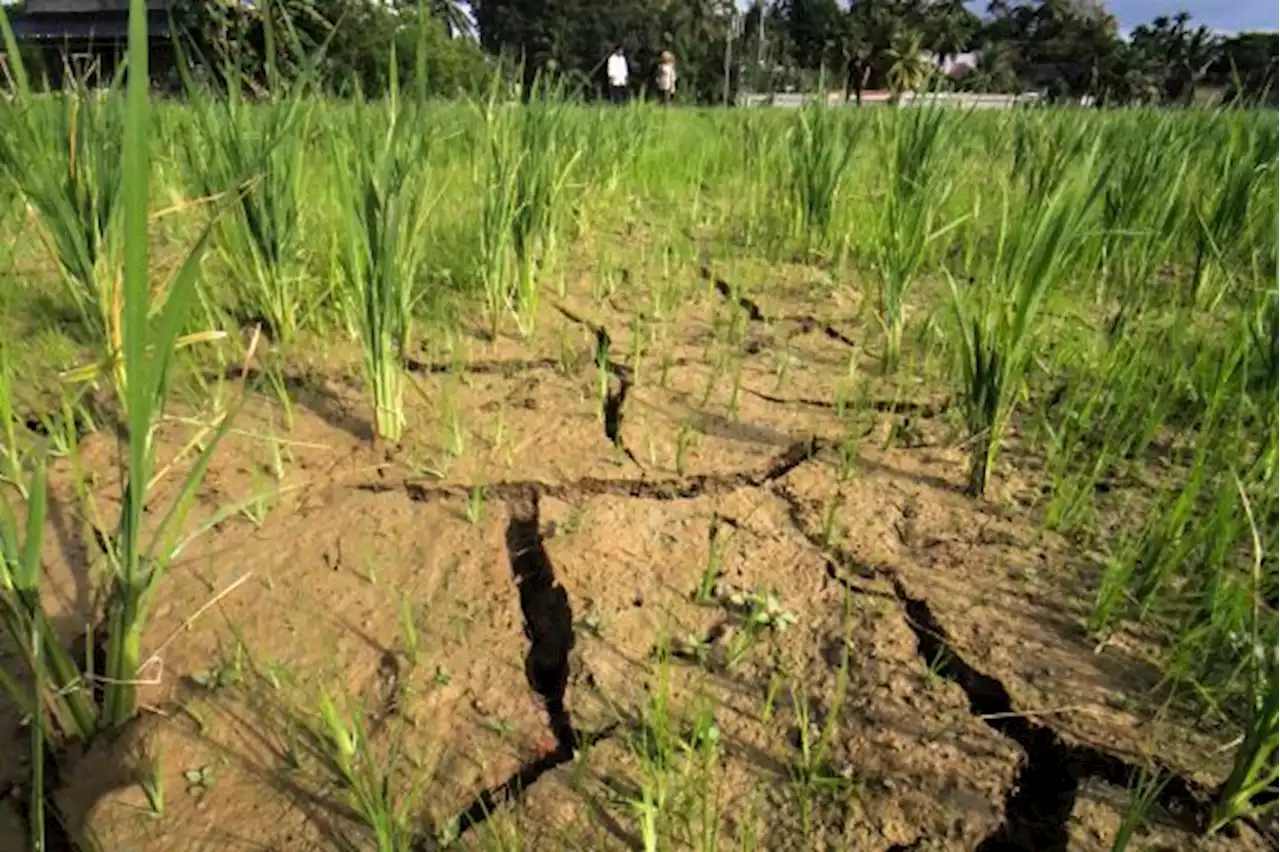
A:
(29, 565)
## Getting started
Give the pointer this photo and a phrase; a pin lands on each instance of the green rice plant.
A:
(1250, 789)
(258, 152)
(1143, 793)
(1142, 205)
(1109, 413)
(385, 197)
(148, 325)
(499, 204)
(64, 156)
(822, 144)
(340, 740)
(11, 455)
(1240, 170)
(995, 318)
(1198, 520)
(60, 704)
(918, 188)
(1263, 418)
(531, 154)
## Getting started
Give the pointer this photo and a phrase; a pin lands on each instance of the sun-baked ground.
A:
(786, 626)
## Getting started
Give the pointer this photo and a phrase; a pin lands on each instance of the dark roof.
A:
(66, 26)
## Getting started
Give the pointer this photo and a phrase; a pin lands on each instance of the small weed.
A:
(409, 630)
(198, 780)
(151, 780)
(475, 504)
(711, 569)
(684, 440)
(443, 677)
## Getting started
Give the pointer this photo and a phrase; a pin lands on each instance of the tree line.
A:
(1067, 49)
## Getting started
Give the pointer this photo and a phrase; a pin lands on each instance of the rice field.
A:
(410, 475)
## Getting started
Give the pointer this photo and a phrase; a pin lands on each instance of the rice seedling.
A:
(916, 193)
(716, 541)
(146, 329)
(822, 144)
(1221, 208)
(1249, 790)
(1143, 793)
(531, 154)
(11, 455)
(257, 151)
(387, 198)
(995, 319)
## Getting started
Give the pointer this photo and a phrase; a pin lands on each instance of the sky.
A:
(1222, 15)
(1225, 16)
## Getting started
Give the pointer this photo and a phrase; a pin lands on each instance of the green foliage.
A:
(359, 46)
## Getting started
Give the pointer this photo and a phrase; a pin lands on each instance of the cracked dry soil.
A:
(537, 620)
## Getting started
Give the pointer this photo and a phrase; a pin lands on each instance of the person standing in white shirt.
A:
(617, 72)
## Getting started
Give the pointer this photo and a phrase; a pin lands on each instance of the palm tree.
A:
(951, 28)
(908, 66)
(454, 15)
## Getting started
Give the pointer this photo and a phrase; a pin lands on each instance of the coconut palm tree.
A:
(908, 67)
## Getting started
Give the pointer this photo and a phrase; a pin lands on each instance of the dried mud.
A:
(545, 532)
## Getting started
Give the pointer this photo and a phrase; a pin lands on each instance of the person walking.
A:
(617, 71)
(666, 77)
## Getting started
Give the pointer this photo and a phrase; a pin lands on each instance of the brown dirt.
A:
(977, 715)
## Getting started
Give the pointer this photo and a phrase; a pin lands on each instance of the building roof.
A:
(79, 26)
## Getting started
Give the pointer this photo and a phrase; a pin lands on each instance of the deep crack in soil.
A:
(1039, 805)
(548, 625)
(548, 616)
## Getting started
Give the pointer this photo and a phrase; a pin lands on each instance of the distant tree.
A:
(574, 37)
(1182, 54)
(950, 28)
(349, 45)
(996, 71)
(453, 13)
(908, 68)
(1246, 68)
(1059, 46)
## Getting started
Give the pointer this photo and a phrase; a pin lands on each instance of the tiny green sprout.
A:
(196, 717)
(443, 676)
(409, 627)
(198, 780)
(501, 727)
(692, 647)
(711, 569)
(849, 455)
(475, 504)
(684, 440)
(152, 783)
(829, 513)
